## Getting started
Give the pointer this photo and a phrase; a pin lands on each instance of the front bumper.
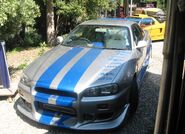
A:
(92, 113)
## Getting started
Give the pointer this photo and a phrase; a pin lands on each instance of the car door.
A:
(157, 29)
(138, 35)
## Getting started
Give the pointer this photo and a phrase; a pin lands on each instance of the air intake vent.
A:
(57, 109)
(56, 92)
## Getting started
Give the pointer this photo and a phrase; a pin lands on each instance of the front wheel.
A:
(134, 97)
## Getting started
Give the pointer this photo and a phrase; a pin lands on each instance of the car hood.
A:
(75, 69)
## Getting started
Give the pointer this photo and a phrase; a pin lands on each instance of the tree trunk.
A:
(126, 7)
(50, 22)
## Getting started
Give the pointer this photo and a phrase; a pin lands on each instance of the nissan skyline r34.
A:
(90, 80)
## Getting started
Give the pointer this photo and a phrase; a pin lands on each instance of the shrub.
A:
(15, 17)
(42, 50)
(32, 39)
(22, 66)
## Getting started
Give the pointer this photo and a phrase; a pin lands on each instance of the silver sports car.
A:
(89, 81)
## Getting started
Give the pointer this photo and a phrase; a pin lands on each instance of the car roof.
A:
(109, 22)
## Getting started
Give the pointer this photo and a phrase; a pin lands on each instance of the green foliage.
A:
(136, 1)
(21, 11)
(94, 7)
(70, 13)
(22, 66)
(16, 16)
(161, 4)
(69, 10)
(7, 9)
(43, 45)
(17, 49)
(32, 39)
(42, 50)
(28, 11)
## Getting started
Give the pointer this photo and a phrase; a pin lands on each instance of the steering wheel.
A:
(85, 39)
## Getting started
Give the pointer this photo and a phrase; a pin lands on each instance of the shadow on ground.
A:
(13, 70)
(141, 123)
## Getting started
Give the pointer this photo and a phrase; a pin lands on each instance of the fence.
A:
(4, 73)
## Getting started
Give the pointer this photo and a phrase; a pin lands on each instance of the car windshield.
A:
(105, 37)
(139, 11)
(153, 13)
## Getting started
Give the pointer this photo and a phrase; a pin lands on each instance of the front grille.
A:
(56, 92)
(57, 109)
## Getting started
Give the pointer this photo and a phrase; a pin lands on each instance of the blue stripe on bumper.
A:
(47, 117)
(60, 101)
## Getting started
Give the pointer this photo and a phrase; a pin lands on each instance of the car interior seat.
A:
(117, 40)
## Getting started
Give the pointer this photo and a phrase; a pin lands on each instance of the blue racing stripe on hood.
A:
(72, 77)
(47, 77)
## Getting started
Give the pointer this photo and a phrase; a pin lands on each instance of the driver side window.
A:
(137, 35)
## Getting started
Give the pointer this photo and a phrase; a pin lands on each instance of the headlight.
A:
(25, 80)
(104, 90)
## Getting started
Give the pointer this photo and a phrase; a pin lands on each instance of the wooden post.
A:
(126, 7)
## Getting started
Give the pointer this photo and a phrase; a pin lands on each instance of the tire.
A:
(134, 97)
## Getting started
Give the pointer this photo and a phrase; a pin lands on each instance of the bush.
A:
(32, 39)
(22, 66)
(15, 17)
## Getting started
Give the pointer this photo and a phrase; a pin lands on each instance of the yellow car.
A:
(153, 12)
(155, 28)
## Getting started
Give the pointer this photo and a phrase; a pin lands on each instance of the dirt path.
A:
(19, 59)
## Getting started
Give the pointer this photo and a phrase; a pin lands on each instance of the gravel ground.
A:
(142, 122)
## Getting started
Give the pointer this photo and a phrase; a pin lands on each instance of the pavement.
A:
(12, 122)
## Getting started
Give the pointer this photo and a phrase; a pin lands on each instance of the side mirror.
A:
(59, 40)
(141, 44)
